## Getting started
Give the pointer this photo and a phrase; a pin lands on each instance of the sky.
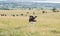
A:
(51, 1)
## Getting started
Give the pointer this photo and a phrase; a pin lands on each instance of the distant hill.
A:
(17, 5)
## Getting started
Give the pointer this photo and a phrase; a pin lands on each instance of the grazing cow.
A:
(32, 19)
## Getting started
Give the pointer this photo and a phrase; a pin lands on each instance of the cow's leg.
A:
(32, 24)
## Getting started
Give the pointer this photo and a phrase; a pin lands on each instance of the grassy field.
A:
(48, 24)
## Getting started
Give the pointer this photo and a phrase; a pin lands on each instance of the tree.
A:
(54, 9)
(29, 8)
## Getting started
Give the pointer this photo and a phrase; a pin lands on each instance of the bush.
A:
(2, 14)
(25, 15)
(13, 15)
(27, 12)
(54, 10)
(17, 15)
(5, 15)
(33, 12)
(43, 11)
(21, 14)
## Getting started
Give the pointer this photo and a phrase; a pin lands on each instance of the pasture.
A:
(48, 24)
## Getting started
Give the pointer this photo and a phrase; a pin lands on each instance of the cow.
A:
(32, 19)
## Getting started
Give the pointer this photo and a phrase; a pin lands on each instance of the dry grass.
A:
(48, 24)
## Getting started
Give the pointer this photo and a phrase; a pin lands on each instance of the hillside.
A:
(18, 5)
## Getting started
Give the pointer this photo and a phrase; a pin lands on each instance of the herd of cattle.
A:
(11, 15)
(22, 14)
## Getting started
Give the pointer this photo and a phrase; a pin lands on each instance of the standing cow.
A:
(32, 19)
